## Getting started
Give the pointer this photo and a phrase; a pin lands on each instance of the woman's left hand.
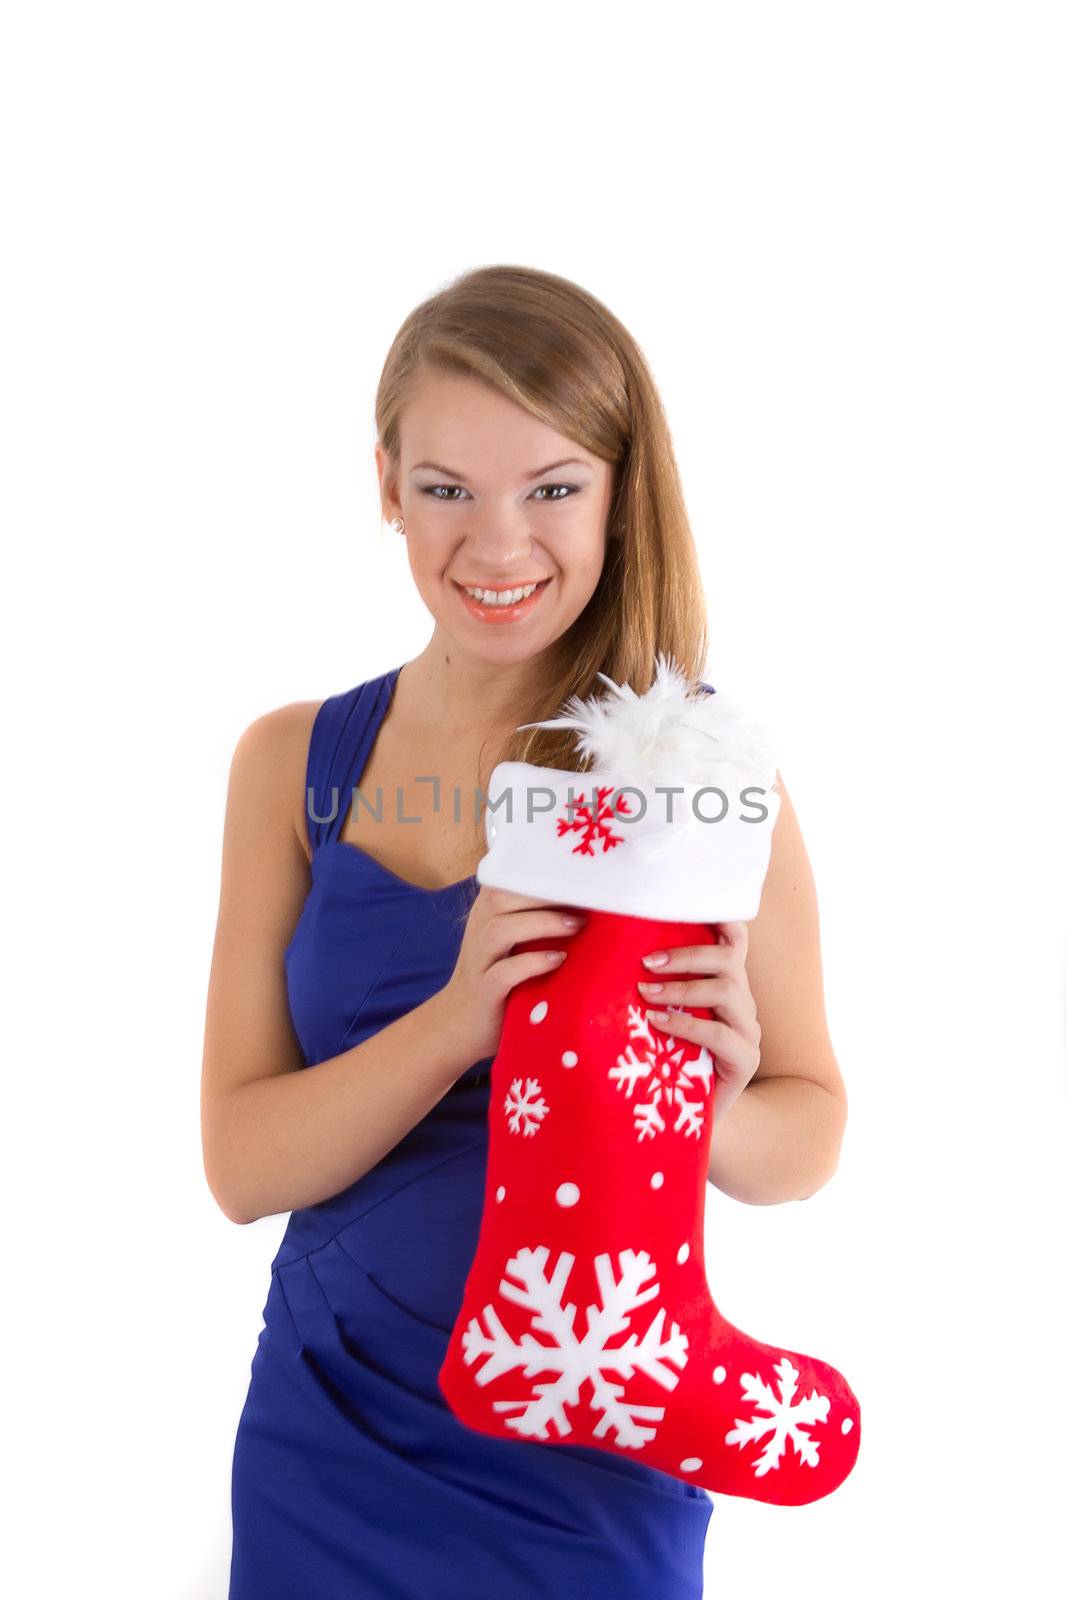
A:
(733, 1034)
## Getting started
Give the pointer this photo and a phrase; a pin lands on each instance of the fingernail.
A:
(650, 988)
(556, 955)
(655, 958)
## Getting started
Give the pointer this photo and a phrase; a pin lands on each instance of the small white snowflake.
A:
(575, 1361)
(671, 1078)
(525, 1107)
(784, 1419)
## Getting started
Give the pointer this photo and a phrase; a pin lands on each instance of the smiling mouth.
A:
(490, 600)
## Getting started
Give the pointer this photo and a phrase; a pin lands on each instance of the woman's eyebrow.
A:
(435, 466)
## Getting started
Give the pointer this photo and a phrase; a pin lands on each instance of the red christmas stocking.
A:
(587, 1318)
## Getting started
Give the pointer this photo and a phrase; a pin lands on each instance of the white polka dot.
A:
(657, 1180)
(718, 1375)
(539, 1012)
(846, 1426)
(568, 1194)
(569, 1058)
(501, 1192)
(690, 1464)
(683, 1254)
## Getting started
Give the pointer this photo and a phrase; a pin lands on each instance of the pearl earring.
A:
(397, 524)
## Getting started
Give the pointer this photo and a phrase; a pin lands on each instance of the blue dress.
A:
(351, 1476)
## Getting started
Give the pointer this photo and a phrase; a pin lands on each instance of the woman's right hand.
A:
(474, 998)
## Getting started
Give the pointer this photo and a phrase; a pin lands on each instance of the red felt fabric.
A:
(587, 1317)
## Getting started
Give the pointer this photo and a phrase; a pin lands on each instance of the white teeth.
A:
(506, 597)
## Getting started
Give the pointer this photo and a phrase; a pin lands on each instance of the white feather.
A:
(675, 733)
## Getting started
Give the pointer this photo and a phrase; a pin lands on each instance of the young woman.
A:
(360, 976)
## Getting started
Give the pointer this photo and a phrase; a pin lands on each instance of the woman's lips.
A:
(499, 614)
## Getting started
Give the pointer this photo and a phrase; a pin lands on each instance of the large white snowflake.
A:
(576, 1361)
(525, 1106)
(671, 1078)
(784, 1420)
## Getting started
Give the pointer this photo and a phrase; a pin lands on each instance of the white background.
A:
(837, 232)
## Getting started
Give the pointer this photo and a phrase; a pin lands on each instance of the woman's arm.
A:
(278, 1135)
(781, 1138)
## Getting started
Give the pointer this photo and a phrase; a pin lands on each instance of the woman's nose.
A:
(498, 543)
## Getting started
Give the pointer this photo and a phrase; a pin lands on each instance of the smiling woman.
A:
(361, 974)
(503, 547)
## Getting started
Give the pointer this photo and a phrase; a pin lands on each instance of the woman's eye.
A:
(431, 489)
(571, 489)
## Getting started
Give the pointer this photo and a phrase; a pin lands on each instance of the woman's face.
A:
(494, 499)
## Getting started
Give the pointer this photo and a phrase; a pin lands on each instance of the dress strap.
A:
(342, 735)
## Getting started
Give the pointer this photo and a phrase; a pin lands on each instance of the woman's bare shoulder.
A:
(269, 764)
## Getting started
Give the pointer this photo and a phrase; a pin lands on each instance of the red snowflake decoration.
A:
(593, 827)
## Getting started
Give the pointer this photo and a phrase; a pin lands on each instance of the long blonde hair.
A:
(558, 351)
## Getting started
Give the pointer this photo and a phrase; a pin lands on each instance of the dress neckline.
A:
(357, 850)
